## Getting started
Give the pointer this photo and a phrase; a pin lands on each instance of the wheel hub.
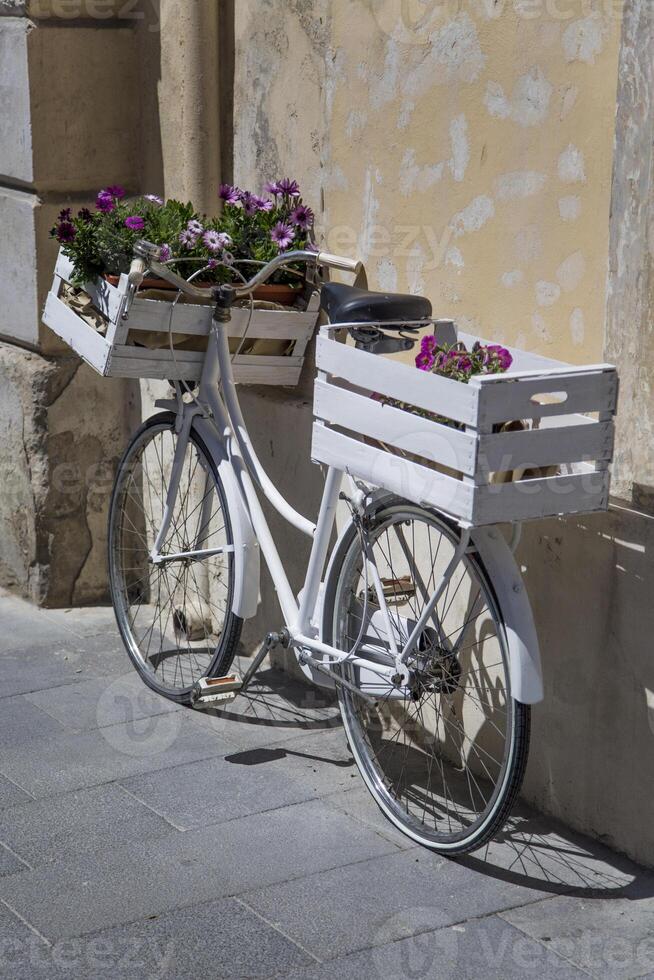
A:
(434, 668)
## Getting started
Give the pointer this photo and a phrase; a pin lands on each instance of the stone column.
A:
(68, 126)
(630, 304)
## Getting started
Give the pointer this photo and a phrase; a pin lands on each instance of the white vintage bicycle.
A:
(418, 617)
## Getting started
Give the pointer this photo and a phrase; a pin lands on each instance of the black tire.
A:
(211, 661)
(364, 742)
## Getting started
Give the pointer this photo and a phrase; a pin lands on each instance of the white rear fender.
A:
(512, 598)
(247, 559)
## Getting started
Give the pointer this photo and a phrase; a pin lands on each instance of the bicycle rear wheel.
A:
(444, 757)
(175, 618)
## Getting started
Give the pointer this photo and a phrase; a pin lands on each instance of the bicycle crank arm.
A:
(215, 690)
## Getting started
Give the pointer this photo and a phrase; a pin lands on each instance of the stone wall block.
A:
(27, 259)
(63, 429)
(83, 93)
(15, 114)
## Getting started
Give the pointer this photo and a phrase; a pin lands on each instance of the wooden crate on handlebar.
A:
(91, 322)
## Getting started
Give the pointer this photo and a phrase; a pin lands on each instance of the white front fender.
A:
(524, 650)
(247, 558)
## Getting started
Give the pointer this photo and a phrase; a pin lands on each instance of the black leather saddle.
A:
(347, 304)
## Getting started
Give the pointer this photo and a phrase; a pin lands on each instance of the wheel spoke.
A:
(174, 616)
(436, 754)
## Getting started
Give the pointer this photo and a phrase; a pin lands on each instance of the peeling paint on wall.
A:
(448, 152)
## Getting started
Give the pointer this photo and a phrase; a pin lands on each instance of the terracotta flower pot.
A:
(283, 294)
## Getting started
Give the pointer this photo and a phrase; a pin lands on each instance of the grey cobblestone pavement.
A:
(141, 840)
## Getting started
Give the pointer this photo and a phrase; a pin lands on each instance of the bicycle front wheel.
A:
(174, 616)
(444, 756)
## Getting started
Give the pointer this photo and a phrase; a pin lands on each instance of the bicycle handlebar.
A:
(146, 255)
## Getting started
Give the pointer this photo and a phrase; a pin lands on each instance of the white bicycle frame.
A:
(219, 421)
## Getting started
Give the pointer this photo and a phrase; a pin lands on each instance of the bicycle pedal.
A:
(215, 690)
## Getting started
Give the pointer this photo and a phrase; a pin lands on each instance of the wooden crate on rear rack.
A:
(564, 442)
(116, 353)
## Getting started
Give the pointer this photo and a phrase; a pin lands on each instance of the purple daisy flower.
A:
(66, 214)
(105, 202)
(312, 247)
(229, 194)
(165, 253)
(116, 191)
(66, 232)
(264, 205)
(195, 227)
(272, 187)
(250, 202)
(303, 217)
(154, 199)
(289, 187)
(213, 264)
(282, 235)
(188, 239)
(428, 344)
(135, 223)
(213, 241)
(85, 215)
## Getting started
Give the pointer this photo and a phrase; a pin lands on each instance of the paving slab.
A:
(29, 626)
(609, 938)
(101, 702)
(484, 949)
(11, 794)
(73, 761)
(247, 781)
(41, 667)
(24, 955)
(365, 896)
(218, 939)
(10, 863)
(358, 803)
(128, 883)
(22, 723)
(63, 827)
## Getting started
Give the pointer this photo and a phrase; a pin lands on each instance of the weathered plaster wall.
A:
(469, 156)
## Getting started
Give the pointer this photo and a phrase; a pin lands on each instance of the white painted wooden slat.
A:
(64, 267)
(546, 497)
(84, 340)
(437, 443)
(106, 298)
(137, 362)
(546, 447)
(435, 394)
(564, 370)
(191, 318)
(510, 400)
(401, 476)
